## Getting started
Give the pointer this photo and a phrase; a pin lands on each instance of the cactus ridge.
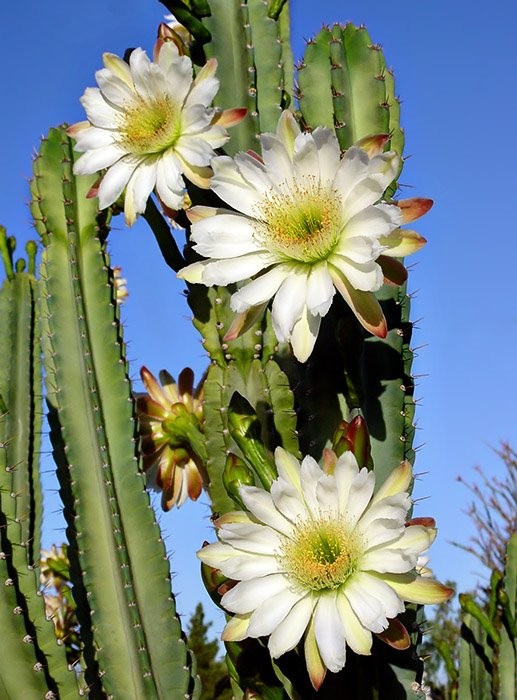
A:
(94, 439)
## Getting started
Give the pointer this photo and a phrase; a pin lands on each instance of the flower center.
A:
(322, 555)
(151, 127)
(302, 220)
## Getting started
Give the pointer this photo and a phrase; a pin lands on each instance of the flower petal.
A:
(287, 635)
(260, 290)
(364, 304)
(329, 633)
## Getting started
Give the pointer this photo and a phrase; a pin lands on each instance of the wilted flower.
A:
(307, 222)
(170, 417)
(321, 557)
(148, 124)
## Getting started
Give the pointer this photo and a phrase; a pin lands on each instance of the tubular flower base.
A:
(148, 124)
(172, 466)
(307, 222)
(321, 557)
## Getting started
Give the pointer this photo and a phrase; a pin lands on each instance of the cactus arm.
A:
(229, 29)
(507, 662)
(139, 648)
(314, 85)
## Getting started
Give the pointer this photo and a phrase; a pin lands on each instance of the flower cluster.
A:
(172, 465)
(323, 556)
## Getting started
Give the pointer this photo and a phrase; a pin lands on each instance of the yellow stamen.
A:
(151, 127)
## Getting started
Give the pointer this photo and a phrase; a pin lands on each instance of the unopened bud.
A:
(236, 473)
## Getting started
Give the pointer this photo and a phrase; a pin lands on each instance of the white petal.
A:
(374, 221)
(248, 595)
(97, 159)
(231, 187)
(244, 567)
(326, 494)
(276, 158)
(115, 91)
(366, 277)
(368, 609)
(194, 149)
(390, 601)
(330, 633)
(345, 472)
(143, 182)
(289, 303)
(224, 236)
(202, 92)
(304, 335)
(358, 638)
(287, 635)
(306, 161)
(168, 55)
(358, 250)
(352, 169)
(287, 500)
(328, 151)
(288, 467)
(99, 112)
(178, 78)
(260, 290)
(147, 77)
(94, 138)
(114, 181)
(388, 560)
(310, 475)
(320, 290)
(170, 185)
(260, 503)
(251, 537)
(254, 172)
(417, 539)
(271, 612)
(360, 493)
(236, 269)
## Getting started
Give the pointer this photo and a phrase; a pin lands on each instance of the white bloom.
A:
(148, 124)
(322, 557)
(307, 222)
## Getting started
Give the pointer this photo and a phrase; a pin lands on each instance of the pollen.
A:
(322, 555)
(302, 220)
(151, 127)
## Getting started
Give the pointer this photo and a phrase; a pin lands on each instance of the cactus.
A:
(488, 637)
(355, 393)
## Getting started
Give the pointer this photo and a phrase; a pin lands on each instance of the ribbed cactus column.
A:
(132, 636)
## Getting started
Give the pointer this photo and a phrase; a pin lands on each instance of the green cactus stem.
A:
(132, 636)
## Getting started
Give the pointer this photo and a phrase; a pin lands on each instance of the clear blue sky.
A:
(454, 66)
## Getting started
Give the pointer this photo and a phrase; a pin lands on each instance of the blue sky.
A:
(455, 73)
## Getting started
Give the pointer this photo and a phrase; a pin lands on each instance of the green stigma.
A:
(322, 555)
(151, 127)
(303, 221)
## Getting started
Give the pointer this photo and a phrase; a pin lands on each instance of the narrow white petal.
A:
(260, 290)
(236, 269)
(271, 612)
(248, 595)
(289, 303)
(254, 538)
(360, 250)
(304, 335)
(368, 609)
(390, 601)
(310, 475)
(168, 55)
(328, 151)
(202, 92)
(224, 236)
(142, 183)
(228, 183)
(254, 172)
(306, 160)
(388, 560)
(352, 170)
(360, 493)
(114, 91)
(329, 632)
(194, 149)
(366, 277)
(94, 138)
(358, 638)
(261, 504)
(170, 185)
(345, 472)
(326, 494)
(288, 467)
(287, 500)
(245, 567)
(287, 635)
(276, 158)
(374, 221)
(179, 79)
(99, 112)
(97, 159)
(114, 181)
(320, 290)
(417, 539)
